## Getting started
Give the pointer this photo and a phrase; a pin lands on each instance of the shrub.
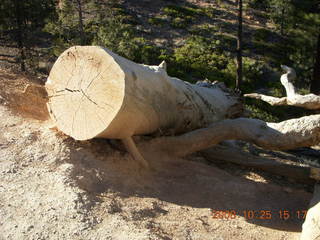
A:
(261, 113)
(261, 34)
(259, 4)
(181, 11)
(200, 58)
(252, 73)
(157, 21)
(181, 15)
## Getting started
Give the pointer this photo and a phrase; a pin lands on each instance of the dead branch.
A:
(302, 174)
(309, 101)
(289, 134)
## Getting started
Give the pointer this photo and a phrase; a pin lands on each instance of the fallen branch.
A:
(302, 174)
(289, 134)
(309, 101)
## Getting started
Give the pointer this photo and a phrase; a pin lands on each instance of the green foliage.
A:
(211, 12)
(157, 21)
(122, 39)
(260, 113)
(200, 58)
(179, 22)
(181, 17)
(262, 35)
(281, 12)
(22, 21)
(69, 28)
(259, 4)
(33, 14)
(253, 71)
(268, 113)
(205, 30)
(180, 11)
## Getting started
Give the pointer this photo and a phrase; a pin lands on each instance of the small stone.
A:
(30, 227)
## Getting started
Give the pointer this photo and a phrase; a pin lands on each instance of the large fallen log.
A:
(96, 93)
(309, 101)
(93, 92)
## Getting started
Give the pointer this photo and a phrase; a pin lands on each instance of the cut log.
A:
(93, 92)
(309, 101)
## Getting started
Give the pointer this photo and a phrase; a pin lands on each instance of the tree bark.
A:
(315, 83)
(96, 93)
(239, 46)
(309, 101)
(283, 17)
(80, 20)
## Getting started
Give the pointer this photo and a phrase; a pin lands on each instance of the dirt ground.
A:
(52, 187)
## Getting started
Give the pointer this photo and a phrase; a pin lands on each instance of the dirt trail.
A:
(52, 187)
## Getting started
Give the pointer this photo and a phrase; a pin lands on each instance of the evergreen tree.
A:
(281, 12)
(21, 19)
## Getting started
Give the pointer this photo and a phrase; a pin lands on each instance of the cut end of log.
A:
(86, 91)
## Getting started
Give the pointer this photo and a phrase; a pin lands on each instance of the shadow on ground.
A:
(185, 183)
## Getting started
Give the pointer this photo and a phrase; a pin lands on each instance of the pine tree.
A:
(281, 12)
(20, 20)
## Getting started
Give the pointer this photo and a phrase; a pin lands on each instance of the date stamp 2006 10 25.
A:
(258, 214)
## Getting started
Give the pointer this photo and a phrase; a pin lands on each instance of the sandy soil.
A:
(52, 187)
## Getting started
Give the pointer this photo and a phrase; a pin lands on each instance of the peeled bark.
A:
(96, 93)
(93, 92)
(290, 134)
(309, 101)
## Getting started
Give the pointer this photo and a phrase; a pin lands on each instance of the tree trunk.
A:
(239, 46)
(315, 83)
(283, 17)
(19, 36)
(96, 93)
(80, 20)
